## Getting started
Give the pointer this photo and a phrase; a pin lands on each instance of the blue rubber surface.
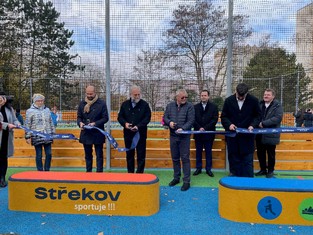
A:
(181, 213)
(264, 184)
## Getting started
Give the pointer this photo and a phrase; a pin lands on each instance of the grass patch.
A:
(166, 175)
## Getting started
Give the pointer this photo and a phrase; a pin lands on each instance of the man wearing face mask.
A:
(92, 111)
(134, 116)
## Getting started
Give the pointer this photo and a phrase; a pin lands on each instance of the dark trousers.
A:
(3, 165)
(4, 154)
(89, 157)
(38, 149)
(241, 165)
(207, 144)
(141, 154)
(299, 124)
(240, 150)
(180, 151)
(262, 150)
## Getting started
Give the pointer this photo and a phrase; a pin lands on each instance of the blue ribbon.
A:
(254, 131)
(113, 141)
(226, 133)
(48, 136)
(275, 130)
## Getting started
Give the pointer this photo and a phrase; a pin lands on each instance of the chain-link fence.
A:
(58, 47)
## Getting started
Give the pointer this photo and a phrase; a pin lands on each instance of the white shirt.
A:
(240, 103)
(203, 105)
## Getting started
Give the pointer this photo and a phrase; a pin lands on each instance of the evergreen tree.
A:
(41, 46)
(275, 68)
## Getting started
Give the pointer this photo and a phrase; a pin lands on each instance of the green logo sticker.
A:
(306, 209)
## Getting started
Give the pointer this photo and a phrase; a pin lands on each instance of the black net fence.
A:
(58, 47)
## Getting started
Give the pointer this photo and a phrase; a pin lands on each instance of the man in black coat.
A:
(93, 112)
(299, 117)
(134, 116)
(308, 118)
(241, 110)
(206, 116)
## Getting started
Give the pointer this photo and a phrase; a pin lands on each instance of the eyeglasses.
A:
(184, 97)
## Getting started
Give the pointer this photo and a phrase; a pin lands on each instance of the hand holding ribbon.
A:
(48, 136)
(254, 131)
(113, 141)
(276, 130)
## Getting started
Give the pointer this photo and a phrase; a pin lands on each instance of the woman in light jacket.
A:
(38, 118)
(8, 121)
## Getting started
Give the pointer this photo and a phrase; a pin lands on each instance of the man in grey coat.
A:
(271, 117)
(180, 115)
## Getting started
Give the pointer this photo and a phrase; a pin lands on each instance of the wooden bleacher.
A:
(295, 152)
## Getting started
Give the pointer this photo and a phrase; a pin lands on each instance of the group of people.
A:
(304, 117)
(38, 118)
(134, 116)
(240, 110)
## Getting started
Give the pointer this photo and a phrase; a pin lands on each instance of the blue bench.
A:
(262, 200)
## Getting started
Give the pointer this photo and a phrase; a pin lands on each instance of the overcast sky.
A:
(138, 24)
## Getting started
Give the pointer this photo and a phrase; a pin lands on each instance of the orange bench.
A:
(85, 193)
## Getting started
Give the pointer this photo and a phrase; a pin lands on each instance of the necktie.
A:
(203, 106)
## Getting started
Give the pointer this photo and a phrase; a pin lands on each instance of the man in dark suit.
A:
(241, 110)
(135, 115)
(92, 111)
(206, 116)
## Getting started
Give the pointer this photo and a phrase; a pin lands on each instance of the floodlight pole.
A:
(297, 91)
(229, 48)
(108, 78)
(229, 59)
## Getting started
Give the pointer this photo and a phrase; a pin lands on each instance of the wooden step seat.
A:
(295, 152)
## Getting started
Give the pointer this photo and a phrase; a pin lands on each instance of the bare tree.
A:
(148, 74)
(197, 31)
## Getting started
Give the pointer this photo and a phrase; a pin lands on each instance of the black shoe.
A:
(210, 173)
(3, 183)
(270, 174)
(197, 172)
(173, 182)
(261, 172)
(185, 187)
